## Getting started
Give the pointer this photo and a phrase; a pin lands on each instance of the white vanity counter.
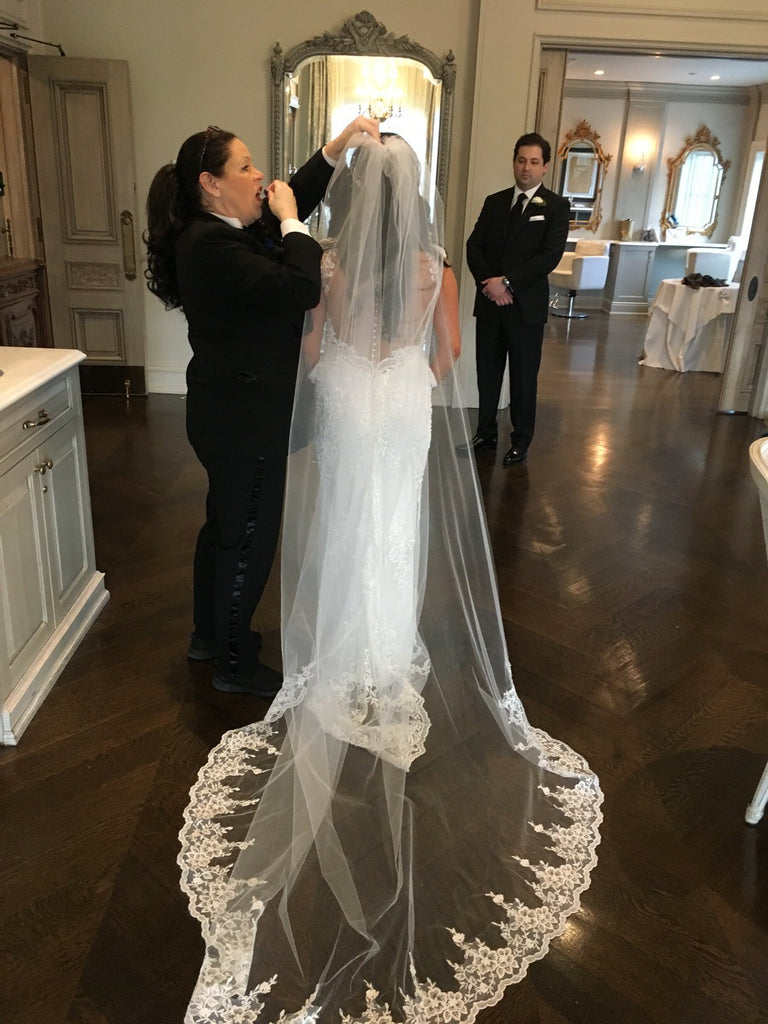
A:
(636, 270)
(24, 369)
(50, 590)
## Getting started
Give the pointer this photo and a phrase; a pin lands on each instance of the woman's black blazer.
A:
(244, 292)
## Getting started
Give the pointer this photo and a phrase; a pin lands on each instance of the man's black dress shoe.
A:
(477, 444)
(201, 649)
(517, 453)
(263, 681)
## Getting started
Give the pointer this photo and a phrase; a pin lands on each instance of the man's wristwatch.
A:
(505, 282)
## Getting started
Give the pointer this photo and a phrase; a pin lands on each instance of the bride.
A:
(394, 842)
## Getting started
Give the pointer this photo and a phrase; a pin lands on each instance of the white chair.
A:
(736, 252)
(585, 269)
(715, 262)
(758, 464)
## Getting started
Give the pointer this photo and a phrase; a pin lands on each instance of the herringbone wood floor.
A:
(633, 582)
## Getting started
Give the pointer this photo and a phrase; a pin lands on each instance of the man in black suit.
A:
(518, 239)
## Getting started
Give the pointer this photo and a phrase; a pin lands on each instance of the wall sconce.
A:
(638, 151)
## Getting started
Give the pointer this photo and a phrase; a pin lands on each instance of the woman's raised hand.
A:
(282, 201)
(335, 147)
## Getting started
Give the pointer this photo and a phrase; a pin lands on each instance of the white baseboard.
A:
(166, 382)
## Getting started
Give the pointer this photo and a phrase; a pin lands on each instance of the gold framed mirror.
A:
(583, 166)
(321, 84)
(694, 181)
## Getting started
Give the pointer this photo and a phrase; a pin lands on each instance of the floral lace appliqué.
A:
(481, 971)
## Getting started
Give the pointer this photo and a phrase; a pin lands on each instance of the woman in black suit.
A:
(244, 269)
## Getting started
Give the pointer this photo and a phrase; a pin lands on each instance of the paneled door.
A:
(81, 114)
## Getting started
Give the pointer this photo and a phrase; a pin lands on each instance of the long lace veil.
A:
(394, 842)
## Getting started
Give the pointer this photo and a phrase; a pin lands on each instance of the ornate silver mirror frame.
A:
(361, 36)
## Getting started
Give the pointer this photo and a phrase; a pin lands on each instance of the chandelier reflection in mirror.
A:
(379, 90)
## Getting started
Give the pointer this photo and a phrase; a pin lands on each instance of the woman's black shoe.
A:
(263, 681)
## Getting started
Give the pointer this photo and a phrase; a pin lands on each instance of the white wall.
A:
(194, 63)
(728, 123)
(669, 120)
(606, 117)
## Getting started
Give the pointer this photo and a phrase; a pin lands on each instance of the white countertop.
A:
(675, 245)
(24, 369)
(671, 244)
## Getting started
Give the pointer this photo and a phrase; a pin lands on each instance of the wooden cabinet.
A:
(50, 591)
(23, 304)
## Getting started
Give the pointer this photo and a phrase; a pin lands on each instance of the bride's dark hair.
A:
(174, 198)
(375, 194)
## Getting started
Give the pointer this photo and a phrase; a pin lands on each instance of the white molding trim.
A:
(748, 10)
(612, 44)
(624, 307)
(739, 94)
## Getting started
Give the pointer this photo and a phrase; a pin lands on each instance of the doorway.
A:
(745, 360)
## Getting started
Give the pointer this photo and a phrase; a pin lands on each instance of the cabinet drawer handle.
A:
(45, 465)
(42, 418)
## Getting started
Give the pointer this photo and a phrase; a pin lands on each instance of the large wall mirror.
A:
(323, 83)
(694, 180)
(582, 170)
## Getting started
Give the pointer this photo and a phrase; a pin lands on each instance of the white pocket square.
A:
(537, 217)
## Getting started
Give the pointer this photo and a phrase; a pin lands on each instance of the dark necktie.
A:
(517, 209)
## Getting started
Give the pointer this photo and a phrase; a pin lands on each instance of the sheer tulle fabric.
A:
(394, 842)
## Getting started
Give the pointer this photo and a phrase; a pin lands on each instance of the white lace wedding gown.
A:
(395, 842)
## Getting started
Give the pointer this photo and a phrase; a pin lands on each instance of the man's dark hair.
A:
(534, 139)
